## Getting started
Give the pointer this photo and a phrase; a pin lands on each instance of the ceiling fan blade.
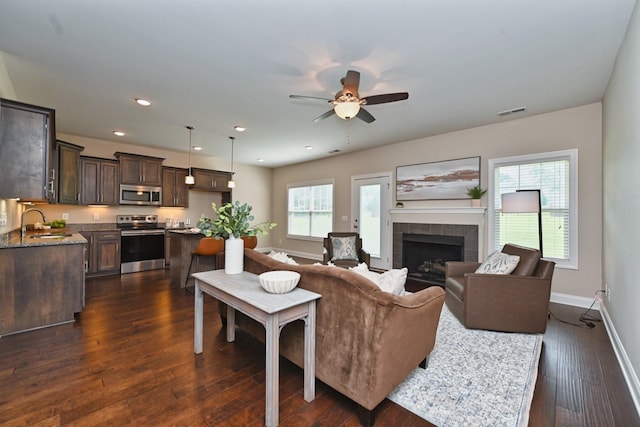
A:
(365, 116)
(324, 116)
(309, 97)
(387, 97)
(352, 82)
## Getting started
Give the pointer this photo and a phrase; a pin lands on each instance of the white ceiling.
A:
(216, 64)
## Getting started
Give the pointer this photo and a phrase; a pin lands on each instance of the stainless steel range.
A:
(142, 243)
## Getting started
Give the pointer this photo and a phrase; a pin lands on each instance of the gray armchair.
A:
(516, 302)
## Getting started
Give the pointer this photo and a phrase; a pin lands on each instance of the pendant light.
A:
(189, 179)
(231, 183)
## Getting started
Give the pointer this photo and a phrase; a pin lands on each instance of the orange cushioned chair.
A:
(207, 247)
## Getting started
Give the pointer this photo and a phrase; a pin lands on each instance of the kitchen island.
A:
(41, 279)
(183, 243)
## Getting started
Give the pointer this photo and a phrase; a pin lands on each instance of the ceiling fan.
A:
(348, 104)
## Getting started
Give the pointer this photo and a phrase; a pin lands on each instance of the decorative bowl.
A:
(279, 282)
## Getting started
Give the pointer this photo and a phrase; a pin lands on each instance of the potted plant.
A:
(233, 221)
(475, 193)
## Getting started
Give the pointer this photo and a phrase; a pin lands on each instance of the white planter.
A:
(233, 255)
(475, 203)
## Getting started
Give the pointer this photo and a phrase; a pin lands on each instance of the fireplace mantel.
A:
(444, 215)
(440, 215)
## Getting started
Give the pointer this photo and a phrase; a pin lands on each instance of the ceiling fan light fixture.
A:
(347, 110)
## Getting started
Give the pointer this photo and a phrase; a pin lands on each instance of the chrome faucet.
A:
(23, 226)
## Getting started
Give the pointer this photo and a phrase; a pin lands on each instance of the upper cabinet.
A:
(175, 192)
(210, 180)
(67, 172)
(27, 134)
(140, 170)
(100, 181)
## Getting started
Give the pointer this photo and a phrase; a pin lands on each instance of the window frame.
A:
(314, 183)
(572, 155)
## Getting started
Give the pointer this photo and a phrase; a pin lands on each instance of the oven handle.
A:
(141, 232)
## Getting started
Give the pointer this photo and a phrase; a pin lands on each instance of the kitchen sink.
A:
(50, 236)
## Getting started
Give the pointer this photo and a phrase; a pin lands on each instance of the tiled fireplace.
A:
(424, 239)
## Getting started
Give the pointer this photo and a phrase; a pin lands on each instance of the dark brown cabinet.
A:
(140, 170)
(175, 192)
(210, 180)
(99, 181)
(67, 172)
(103, 252)
(27, 134)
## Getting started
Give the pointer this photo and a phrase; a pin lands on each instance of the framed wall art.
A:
(448, 179)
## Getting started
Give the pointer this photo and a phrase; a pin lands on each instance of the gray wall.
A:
(621, 200)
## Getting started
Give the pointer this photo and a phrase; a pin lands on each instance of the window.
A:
(555, 175)
(310, 210)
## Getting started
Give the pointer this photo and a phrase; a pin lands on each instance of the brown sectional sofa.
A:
(367, 341)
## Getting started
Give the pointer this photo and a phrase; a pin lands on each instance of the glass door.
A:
(370, 204)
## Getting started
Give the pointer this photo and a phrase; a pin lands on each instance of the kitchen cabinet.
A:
(103, 252)
(41, 285)
(140, 170)
(210, 180)
(67, 172)
(99, 181)
(175, 192)
(27, 134)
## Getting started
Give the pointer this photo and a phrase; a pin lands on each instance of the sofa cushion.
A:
(529, 259)
(499, 263)
(344, 248)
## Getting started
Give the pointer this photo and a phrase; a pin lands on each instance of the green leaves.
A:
(233, 219)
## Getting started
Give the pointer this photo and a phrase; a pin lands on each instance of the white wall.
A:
(572, 128)
(621, 180)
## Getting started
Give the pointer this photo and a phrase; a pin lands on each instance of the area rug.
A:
(474, 378)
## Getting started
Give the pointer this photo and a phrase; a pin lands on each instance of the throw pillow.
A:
(499, 263)
(344, 248)
(282, 257)
(391, 281)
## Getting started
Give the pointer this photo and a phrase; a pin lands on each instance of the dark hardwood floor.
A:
(128, 360)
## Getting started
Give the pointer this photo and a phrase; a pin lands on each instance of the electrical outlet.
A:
(65, 216)
(96, 216)
(607, 291)
(3, 219)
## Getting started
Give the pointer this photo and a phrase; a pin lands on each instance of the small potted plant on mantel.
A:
(475, 193)
(232, 222)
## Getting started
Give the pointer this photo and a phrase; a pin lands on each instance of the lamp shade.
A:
(526, 201)
(189, 179)
(347, 110)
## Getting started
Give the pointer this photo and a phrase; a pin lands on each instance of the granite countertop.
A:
(63, 236)
(183, 231)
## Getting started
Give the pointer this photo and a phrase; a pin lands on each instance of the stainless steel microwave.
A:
(140, 195)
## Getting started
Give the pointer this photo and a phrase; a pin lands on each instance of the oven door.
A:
(141, 250)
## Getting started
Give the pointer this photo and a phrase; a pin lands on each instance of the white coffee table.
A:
(243, 292)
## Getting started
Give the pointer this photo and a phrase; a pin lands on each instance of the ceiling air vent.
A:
(334, 151)
(512, 111)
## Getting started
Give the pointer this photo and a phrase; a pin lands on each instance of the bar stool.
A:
(207, 247)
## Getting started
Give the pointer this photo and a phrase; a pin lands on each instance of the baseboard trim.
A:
(573, 300)
(623, 359)
(317, 257)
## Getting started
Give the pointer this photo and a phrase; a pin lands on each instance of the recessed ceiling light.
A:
(240, 128)
(308, 147)
(197, 148)
(118, 133)
(261, 160)
(143, 102)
